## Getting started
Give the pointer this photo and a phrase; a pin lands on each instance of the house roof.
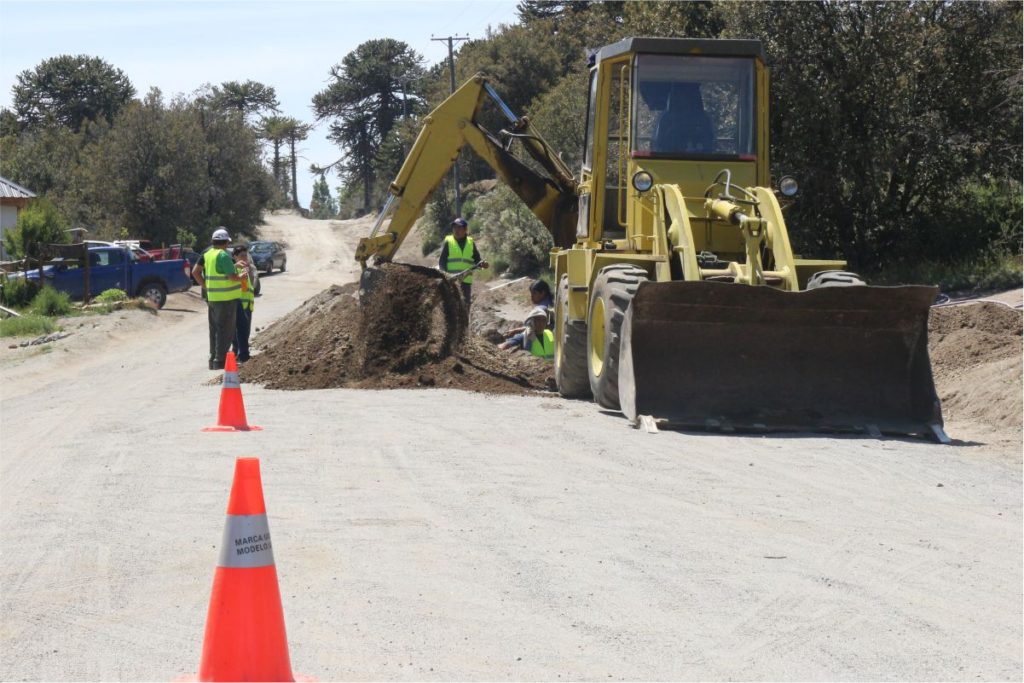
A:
(9, 189)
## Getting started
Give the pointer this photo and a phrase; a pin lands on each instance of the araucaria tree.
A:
(69, 91)
(248, 99)
(364, 101)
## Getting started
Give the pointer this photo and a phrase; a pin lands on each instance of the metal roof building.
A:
(13, 198)
(12, 190)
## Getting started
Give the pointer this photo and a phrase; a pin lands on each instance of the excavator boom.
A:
(454, 124)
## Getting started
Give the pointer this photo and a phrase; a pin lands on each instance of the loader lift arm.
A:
(453, 124)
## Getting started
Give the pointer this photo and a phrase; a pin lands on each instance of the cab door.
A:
(108, 270)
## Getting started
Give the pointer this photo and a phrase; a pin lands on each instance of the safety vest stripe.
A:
(231, 381)
(246, 543)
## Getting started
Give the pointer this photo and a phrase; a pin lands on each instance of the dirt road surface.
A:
(436, 534)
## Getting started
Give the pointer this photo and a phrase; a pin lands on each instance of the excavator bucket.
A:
(734, 357)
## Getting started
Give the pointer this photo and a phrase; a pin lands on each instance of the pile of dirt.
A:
(408, 329)
(976, 361)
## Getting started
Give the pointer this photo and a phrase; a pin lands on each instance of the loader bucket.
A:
(728, 356)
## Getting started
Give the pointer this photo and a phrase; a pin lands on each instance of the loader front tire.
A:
(613, 291)
(571, 351)
(834, 278)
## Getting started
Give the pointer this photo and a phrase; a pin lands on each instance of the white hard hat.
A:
(221, 235)
(538, 312)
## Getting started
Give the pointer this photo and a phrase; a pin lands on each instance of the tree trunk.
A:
(295, 186)
(277, 162)
(367, 173)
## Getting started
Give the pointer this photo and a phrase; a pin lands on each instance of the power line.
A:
(451, 40)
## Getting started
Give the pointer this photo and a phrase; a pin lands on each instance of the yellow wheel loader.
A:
(679, 299)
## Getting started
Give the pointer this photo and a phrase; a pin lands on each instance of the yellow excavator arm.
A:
(454, 123)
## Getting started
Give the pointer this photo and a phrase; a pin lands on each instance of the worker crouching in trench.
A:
(538, 339)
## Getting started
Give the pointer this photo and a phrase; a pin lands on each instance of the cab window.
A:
(588, 153)
(105, 258)
(686, 106)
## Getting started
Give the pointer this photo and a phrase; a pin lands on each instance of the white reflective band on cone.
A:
(231, 380)
(246, 542)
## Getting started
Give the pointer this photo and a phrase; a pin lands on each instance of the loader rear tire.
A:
(613, 291)
(834, 278)
(571, 354)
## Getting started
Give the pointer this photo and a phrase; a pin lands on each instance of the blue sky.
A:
(178, 46)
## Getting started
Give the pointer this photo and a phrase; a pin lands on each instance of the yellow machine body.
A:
(679, 298)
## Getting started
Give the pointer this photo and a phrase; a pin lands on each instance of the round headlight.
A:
(642, 181)
(788, 186)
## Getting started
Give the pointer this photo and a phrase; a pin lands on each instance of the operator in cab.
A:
(459, 253)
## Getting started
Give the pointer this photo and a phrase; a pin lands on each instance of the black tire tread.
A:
(571, 370)
(617, 284)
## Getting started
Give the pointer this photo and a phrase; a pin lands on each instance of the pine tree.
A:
(322, 205)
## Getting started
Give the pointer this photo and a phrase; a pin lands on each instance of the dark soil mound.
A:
(976, 360)
(408, 329)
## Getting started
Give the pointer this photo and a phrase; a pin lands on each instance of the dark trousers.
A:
(243, 326)
(221, 315)
(467, 292)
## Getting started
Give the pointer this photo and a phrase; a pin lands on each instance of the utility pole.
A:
(451, 78)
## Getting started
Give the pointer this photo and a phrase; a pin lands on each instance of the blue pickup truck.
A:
(117, 268)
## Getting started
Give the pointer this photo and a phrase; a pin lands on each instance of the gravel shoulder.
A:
(547, 540)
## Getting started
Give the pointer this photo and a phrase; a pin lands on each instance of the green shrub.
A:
(108, 298)
(992, 270)
(514, 235)
(185, 238)
(437, 220)
(50, 302)
(27, 326)
(111, 296)
(18, 292)
(39, 224)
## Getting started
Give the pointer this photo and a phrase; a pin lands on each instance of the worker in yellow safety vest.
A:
(246, 302)
(459, 253)
(540, 340)
(222, 287)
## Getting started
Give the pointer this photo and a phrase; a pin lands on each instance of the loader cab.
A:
(679, 110)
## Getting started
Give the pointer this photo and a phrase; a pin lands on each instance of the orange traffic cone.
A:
(245, 638)
(231, 414)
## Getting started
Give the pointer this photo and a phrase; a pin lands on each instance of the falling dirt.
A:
(976, 361)
(409, 329)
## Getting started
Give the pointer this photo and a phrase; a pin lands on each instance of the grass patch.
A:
(988, 272)
(27, 326)
(50, 302)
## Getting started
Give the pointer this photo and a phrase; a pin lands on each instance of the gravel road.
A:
(435, 535)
